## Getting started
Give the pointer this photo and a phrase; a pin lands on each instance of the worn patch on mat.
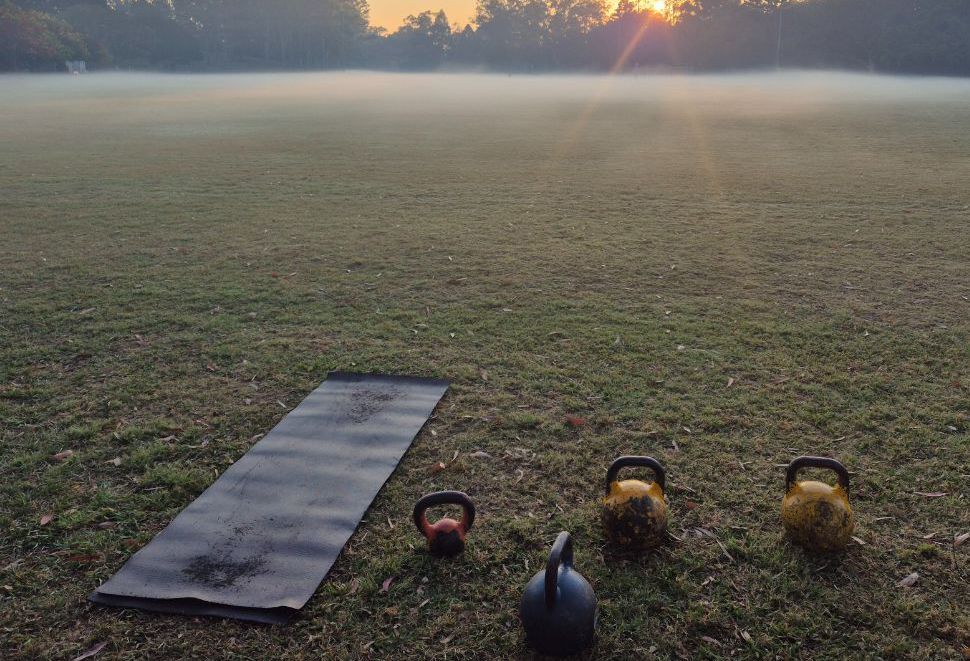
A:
(257, 543)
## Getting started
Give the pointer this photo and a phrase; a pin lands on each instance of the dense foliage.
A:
(924, 36)
(34, 39)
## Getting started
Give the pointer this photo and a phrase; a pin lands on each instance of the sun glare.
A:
(659, 6)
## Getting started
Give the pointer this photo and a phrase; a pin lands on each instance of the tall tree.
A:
(424, 41)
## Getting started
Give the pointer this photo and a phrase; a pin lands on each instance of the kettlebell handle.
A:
(816, 462)
(660, 476)
(561, 554)
(444, 498)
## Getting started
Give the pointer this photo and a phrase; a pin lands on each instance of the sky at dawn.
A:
(391, 13)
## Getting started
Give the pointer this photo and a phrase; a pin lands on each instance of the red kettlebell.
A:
(446, 537)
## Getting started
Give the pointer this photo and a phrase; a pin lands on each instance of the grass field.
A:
(720, 272)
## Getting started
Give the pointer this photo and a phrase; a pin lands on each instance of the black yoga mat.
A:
(257, 543)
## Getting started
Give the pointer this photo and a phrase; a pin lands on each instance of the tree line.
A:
(183, 34)
(914, 36)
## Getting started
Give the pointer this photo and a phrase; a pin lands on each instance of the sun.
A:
(658, 6)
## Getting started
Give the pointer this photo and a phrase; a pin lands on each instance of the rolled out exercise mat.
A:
(257, 543)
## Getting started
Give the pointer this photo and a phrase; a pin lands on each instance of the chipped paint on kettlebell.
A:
(815, 514)
(447, 540)
(634, 514)
(818, 516)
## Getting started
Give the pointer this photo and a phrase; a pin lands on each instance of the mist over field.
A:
(730, 123)
(666, 133)
(383, 93)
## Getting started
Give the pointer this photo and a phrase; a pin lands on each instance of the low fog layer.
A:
(390, 93)
(436, 130)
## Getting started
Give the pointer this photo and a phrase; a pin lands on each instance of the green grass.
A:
(184, 259)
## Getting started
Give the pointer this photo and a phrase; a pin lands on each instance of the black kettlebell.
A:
(558, 609)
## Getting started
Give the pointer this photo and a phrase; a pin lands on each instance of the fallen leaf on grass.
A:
(386, 585)
(708, 639)
(746, 636)
(47, 518)
(909, 581)
(858, 541)
(960, 539)
(481, 454)
(63, 456)
(447, 639)
(483, 374)
(84, 559)
(87, 654)
(730, 383)
(575, 421)
(354, 586)
(116, 461)
(704, 532)
(106, 525)
(438, 467)
(932, 494)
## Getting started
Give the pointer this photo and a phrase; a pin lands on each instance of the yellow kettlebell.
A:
(634, 512)
(817, 515)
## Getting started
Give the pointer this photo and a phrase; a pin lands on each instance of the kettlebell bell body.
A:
(817, 515)
(446, 537)
(558, 609)
(634, 513)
